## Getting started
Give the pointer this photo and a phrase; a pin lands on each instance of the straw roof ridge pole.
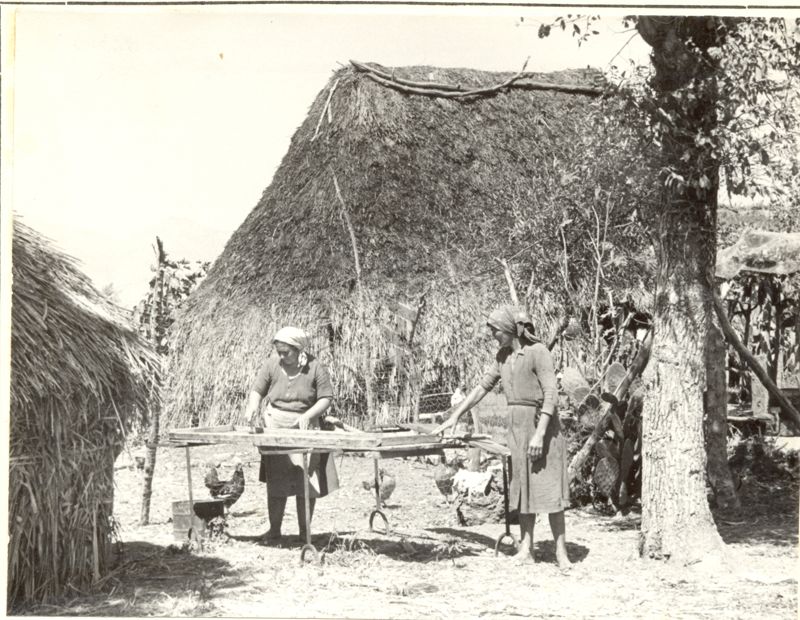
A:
(455, 91)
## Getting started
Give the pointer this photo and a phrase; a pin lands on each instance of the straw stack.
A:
(386, 197)
(80, 378)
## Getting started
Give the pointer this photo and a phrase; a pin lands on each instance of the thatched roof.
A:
(66, 338)
(432, 192)
(80, 376)
(760, 251)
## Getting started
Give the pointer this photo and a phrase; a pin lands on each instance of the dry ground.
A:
(430, 567)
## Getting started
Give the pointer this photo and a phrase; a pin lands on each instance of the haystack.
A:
(388, 197)
(80, 377)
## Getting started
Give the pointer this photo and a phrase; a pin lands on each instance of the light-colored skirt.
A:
(283, 473)
(540, 486)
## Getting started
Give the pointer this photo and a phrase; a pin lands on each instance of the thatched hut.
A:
(80, 376)
(390, 196)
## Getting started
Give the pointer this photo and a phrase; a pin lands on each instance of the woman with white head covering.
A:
(298, 390)
(539, 480)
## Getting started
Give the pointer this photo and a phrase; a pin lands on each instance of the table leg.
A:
(308, 546)
(193, 535)
(507, 533)
(378, 510)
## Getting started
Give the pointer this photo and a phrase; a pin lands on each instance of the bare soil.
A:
(428, 566)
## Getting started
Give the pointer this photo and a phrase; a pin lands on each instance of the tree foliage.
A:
(171, 284)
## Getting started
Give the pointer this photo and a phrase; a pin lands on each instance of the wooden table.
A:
(389, 443)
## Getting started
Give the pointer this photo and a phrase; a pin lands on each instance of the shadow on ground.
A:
(768, 515)
(779, 529)
(545, 550)
(144, 579)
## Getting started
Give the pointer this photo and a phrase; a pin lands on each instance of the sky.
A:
(128, 123)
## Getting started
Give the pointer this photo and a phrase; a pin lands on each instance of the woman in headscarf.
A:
(298, 391)
(539, 480)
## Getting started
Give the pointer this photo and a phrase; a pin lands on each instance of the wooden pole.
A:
(790, 414)
(158, 319)
(189, 483)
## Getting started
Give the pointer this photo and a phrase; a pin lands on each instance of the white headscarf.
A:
(294, 337)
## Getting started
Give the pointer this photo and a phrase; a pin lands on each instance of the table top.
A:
(398, 442)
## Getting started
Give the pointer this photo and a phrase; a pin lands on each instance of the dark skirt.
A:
(285, 479)
(541, 486)
(283, 473)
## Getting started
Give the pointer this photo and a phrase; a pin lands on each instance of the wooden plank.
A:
(289, 439)
(224, 428)
(397, 453)
(490, 446)
(330, 441)
(404, 438)
(195, 437)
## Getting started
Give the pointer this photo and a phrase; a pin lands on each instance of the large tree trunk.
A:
(676, 519)
(716, 423)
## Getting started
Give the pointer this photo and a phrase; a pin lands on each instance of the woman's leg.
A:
(300, 502)
(526, 523)
(276, 506)
(558, 527)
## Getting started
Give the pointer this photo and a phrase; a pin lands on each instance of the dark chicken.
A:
(443, 475)
(227, 490)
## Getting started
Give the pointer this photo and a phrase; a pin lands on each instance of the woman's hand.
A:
(256, 419)
(536, 446)
(252, 411)
(303, 422)
(448, 423)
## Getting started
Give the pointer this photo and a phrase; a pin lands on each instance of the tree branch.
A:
(456, 91)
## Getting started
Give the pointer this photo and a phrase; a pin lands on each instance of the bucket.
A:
(186, 526)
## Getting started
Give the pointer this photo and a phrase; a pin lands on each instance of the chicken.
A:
(443, 475)
(227, 490)
(387, 483)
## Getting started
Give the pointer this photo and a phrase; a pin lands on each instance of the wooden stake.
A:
(350, 230)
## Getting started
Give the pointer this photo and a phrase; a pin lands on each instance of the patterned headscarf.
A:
(512, 320)
(294, 337)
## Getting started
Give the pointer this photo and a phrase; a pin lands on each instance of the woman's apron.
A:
(283, 473)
